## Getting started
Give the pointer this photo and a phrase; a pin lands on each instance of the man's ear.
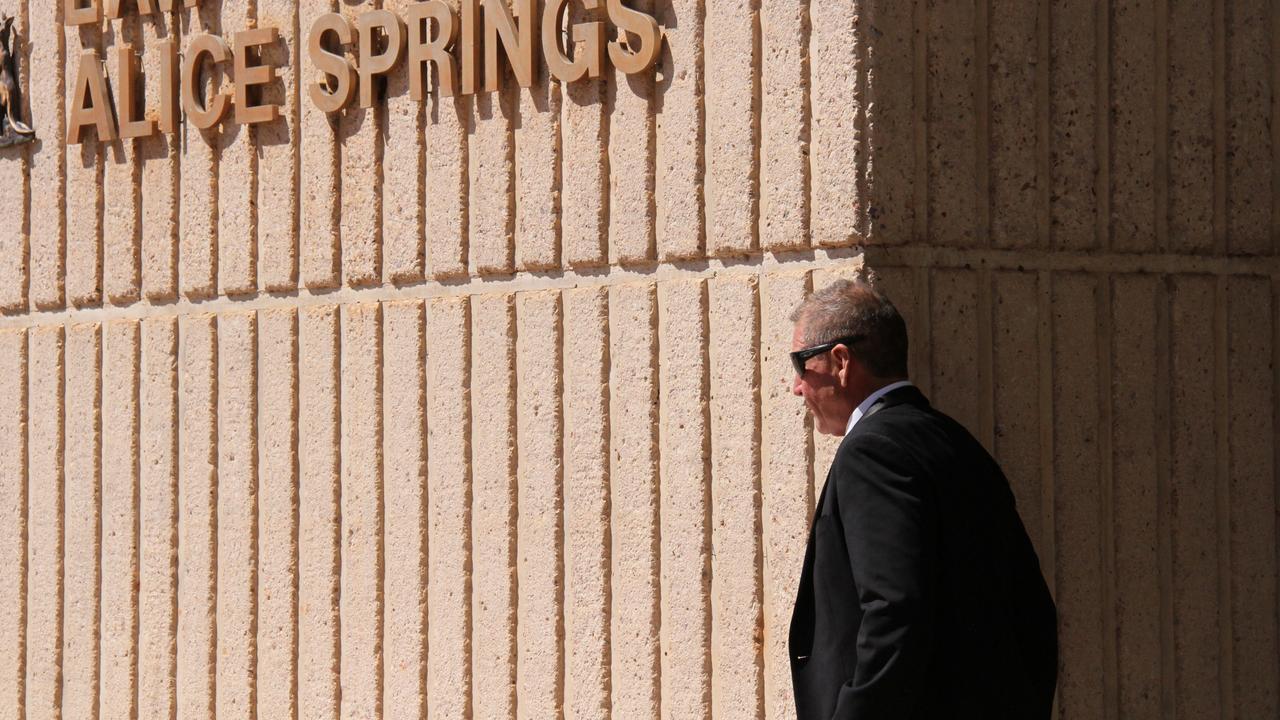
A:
(842, 364)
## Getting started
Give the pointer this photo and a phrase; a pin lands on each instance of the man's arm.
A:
(889, 515)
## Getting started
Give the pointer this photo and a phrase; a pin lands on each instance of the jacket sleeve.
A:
(888, 511)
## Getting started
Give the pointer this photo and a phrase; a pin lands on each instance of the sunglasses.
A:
(800, 357)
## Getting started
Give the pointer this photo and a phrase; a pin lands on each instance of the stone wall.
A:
(479, 407)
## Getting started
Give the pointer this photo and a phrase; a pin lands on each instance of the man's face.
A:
(822, 387)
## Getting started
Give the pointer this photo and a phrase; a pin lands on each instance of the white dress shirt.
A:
(865, 405)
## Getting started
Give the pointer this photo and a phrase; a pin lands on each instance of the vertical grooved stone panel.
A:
(586, 503)
(449, 660)
(319, 493)
(1077, 505)
(236, 181)
(13, 521)
(679, 131)
(15, 171)
(362, 508)
(403, 220)
(1251, 452)
(198, 518)
(633, 477)
(276, 689)
(685, 487)
(1249, 89)
(43, 684)
(629, 104)
(494, 505)
(890, 124)
(236, 537)
(405, 424)
(1133, 133)
(84, 182)
(785, 482)
(492, 181)
(1073, 158)
(158, 520)
(1012, 45)
(732, 107)
(360, 212)
(737, 688)
(539, 677)
(583, 170)
(320, 254)
(159, 158)
(278, 149)
(1195, 539)
(1191, 128)
(1016, 387)
(954, 357)
(784, 129)
(537, 170)
(122, 201)
(81, 518)
(447, 185)
(198, 204)
(954, 191)
(48, 162)
(1133, 397)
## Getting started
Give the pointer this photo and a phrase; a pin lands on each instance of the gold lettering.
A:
(426, 47)
(519, 43)
(247, 76)
(90, 105)
(371, 63)
(210, 112)
(331, 95)
(626, 58)
(127, 96)
(75, 13)
(588, 39)
(168, 86)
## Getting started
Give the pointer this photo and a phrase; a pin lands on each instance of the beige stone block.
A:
(158, 156)
(319, 248)
(447, 165)
(1133, 126)
(491, 179)
(403, 179)
(122, 196)
(158, 520)
(237, 513)
(633, 483)
(14, 169)
(278, 148)
(540, 421)
(537, 147)
(586, 503)
(1190, 141)
(449, 663)
(784, 133)
(1250, 142)
(958, 197)
(493, 506)
(42, 686)
(1013, 122)
(121, 357)
(736, 612)
(81, 517)
(1077, 494)
(785, 481)
(13, 520)
(1073, 125)
(198, 252)
(48, 166)
(278, 459)
(679, 133)
(838, 51)
(583, 169)
(237, 211)
(891, 127)
(685, 489)
(319, 490)
(405, 443)
(629, 106)
(360, 212)
(953, 314)
(197, 516)
(362, 523)
(84, 201)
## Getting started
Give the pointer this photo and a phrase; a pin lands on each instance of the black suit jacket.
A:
(921, 595)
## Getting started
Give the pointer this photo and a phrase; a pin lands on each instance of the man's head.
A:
(852, 341)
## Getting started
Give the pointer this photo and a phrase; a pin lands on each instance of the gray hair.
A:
(857, 307)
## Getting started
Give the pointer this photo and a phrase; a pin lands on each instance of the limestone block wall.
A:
(479, 407)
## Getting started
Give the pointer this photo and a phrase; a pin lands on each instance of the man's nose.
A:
(795, 385)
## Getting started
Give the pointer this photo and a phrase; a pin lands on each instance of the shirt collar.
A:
(865, 405)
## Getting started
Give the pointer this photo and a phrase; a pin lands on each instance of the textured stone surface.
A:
(44, 605)
(81, 518)
(13, 503)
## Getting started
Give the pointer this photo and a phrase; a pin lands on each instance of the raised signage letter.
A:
(168, 86)
(588, 38)
(209, 113)
(632, 60)
(127, 100)
(377, 64)
(90, 106)
(74, 13)
(331, 95)
(498, 24)
(247, 75)
(426, 47)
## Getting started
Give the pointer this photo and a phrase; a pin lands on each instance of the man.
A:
(921, 595)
